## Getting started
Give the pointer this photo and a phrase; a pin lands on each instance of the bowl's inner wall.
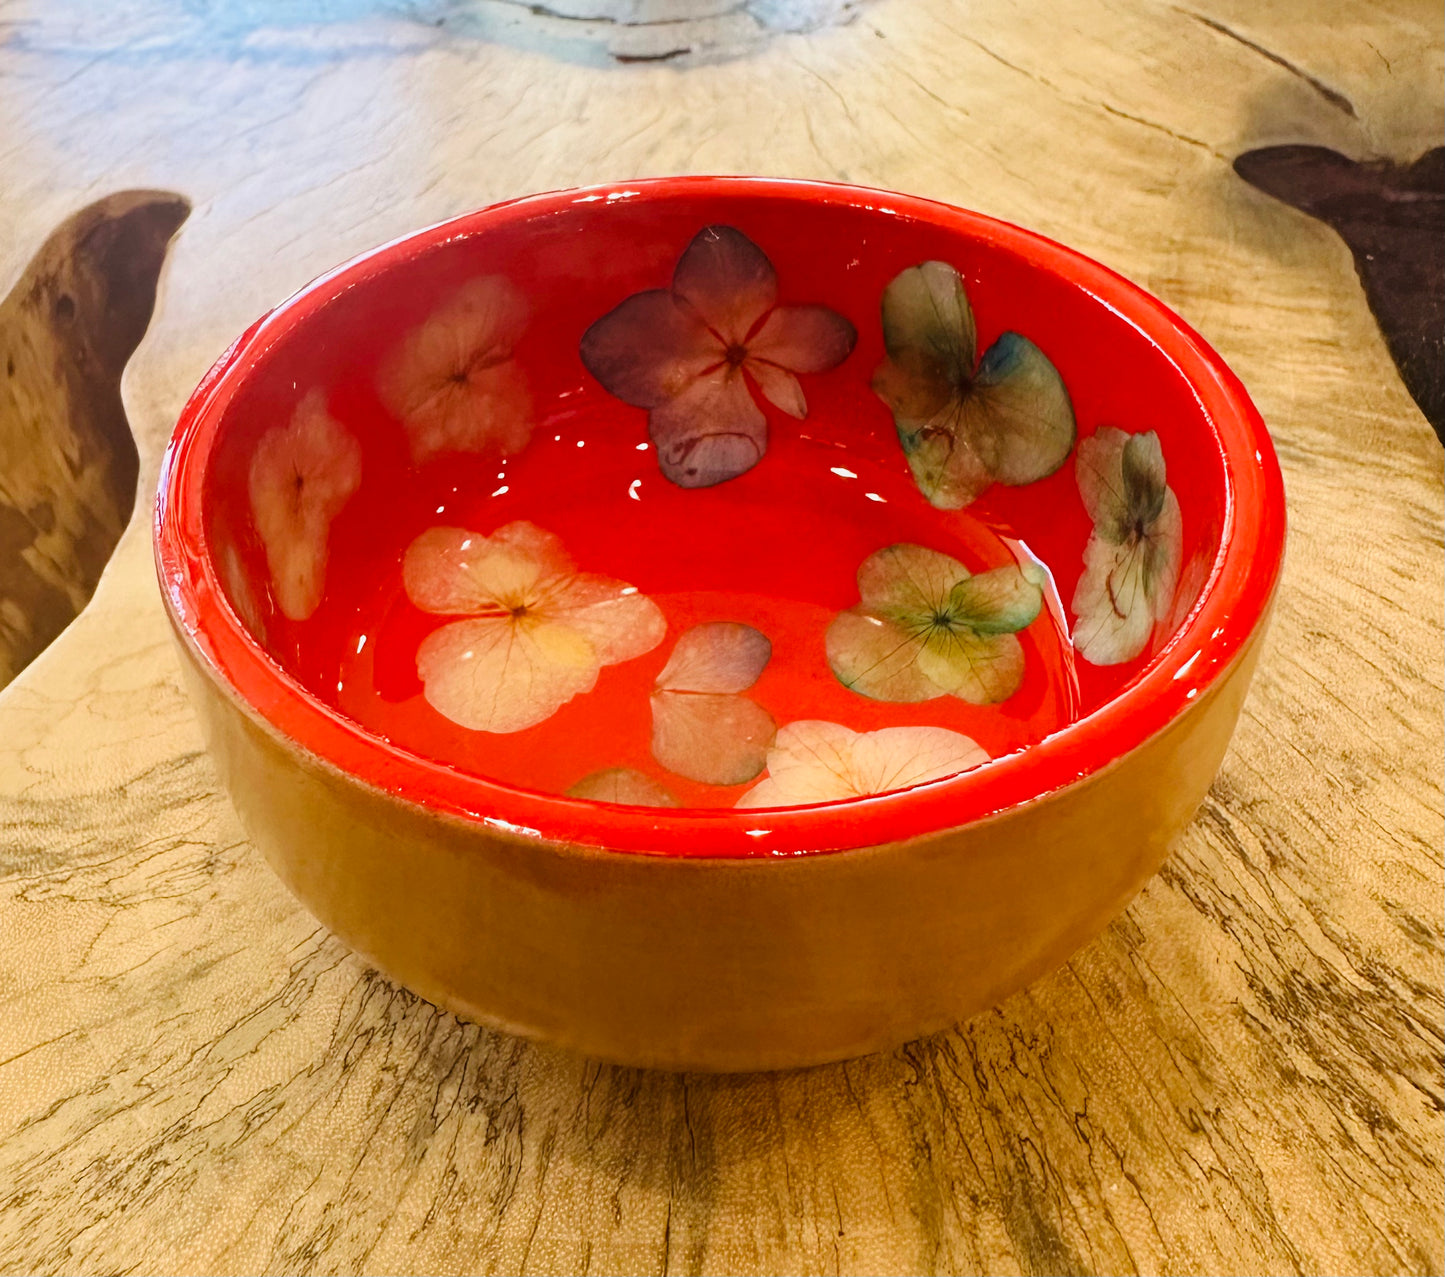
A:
(777, 547)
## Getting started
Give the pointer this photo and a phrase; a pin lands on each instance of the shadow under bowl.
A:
(718, 623)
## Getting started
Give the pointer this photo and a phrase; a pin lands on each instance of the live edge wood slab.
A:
(1244, 1074)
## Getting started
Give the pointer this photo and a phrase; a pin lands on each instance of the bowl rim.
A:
(1233, 600)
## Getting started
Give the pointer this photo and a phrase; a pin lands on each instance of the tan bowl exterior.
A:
(717, 965)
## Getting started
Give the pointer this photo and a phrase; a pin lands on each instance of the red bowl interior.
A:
(777, 547)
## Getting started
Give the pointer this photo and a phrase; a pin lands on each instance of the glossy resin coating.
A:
(719, 623)
(718, 494)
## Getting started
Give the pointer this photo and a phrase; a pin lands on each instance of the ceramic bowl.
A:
(718, 623)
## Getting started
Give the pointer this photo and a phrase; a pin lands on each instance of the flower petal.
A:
(452, 383)
(909, 581)
(943, 455)
(1132, 560)
(997, 602)
(648, 350)
(928, 324)
(982, 669)
(929, 334)
(878, 658)
(804, 339)
(1121, 478)
(452, 571)
(717, 656)
(810, 762)
(619, 622)
(779, 387)
(239, 592)
(301, 475)
(1099, 471)
(1166, 553)
(898, 757)
(622, 785)
(816, 762)
(728, 280)
(712, 431)
(711, 738)
(1112, 602)
(501, 674)
(1142, 467)
(1018, 416)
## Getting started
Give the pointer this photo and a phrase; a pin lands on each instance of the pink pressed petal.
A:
(491, 409)
(804, 338)
(301, 475)
(717, 656)
(619, 622)
(451, 381)
(484, 318)
(497, 674)
(649, 349)
(712, 432)
(454, 572)
(728, 280)
(709, 738)
(779, 386)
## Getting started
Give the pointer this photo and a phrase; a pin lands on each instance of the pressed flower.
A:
(964, 426)
(818, 762)
(926, 627)
(702, 727)
(536, 633)
(622, 785)
(452, 381)
(301, 476)
(238, 590)
(1131, 563)
(687, 353)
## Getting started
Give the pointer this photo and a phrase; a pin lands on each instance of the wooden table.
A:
(1244, 1074)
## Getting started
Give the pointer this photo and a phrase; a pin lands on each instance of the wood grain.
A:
(68, 462)
(1243, 1075)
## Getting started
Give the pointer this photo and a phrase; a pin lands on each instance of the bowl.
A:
(718, 623)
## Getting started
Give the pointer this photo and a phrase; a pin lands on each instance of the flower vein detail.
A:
(702, 726)
(926, 627)
(536, 633)
(818, 762)
(686, 353)
(963, 427)
(1131, 563)
(301, 476)
(453, 382)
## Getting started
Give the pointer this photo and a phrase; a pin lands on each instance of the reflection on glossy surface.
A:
(753, 551)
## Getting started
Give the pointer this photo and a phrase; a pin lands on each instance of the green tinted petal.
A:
(1018, 416)
(1164, 556)
(928, 323)
(1142, 470)
(982, 669)
(908, 582)
(998, 602)
(944, 458)
(1099, 470)
(877, 658)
